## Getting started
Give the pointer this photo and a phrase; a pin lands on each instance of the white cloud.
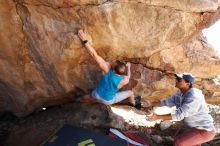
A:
(213, 35)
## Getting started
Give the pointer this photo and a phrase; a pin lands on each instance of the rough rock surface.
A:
(153, 77)
(43, 63)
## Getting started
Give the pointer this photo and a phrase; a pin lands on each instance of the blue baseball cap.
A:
(188, 77)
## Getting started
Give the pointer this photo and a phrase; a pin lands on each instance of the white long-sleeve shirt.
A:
(192, 108)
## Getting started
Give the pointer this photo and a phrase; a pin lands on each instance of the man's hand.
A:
(82, 35)
(128, 65)
(154, 117)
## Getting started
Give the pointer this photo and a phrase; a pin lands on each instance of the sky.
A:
(213, 35)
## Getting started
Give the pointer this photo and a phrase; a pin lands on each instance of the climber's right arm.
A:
(103, 65)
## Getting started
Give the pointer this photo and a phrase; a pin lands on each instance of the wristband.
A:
(85, 41)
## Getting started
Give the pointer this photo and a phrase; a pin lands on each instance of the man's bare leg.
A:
(88, 99)
(85, 98)
(125, 97)
(131, 98)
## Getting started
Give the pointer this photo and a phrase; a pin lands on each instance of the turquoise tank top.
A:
(108, 85)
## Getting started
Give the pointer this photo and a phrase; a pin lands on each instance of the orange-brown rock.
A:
(42, 61)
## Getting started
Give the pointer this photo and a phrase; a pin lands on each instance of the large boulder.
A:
(43, 63)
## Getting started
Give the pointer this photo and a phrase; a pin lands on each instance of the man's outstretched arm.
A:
(160, 117)
(103, 65)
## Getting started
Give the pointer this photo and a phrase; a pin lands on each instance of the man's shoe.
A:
(137, 102)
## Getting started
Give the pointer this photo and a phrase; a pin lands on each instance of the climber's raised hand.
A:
(82, 35)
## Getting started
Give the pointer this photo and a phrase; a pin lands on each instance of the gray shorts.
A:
(119, 96)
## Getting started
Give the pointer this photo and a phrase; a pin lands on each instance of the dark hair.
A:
(120, 68)
(190, 84)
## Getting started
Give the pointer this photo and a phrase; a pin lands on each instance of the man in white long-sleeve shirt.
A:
(192, 109)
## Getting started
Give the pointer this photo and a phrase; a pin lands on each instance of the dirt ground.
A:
(37, 127)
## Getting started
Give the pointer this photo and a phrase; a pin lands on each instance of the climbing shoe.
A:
(137, 102)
